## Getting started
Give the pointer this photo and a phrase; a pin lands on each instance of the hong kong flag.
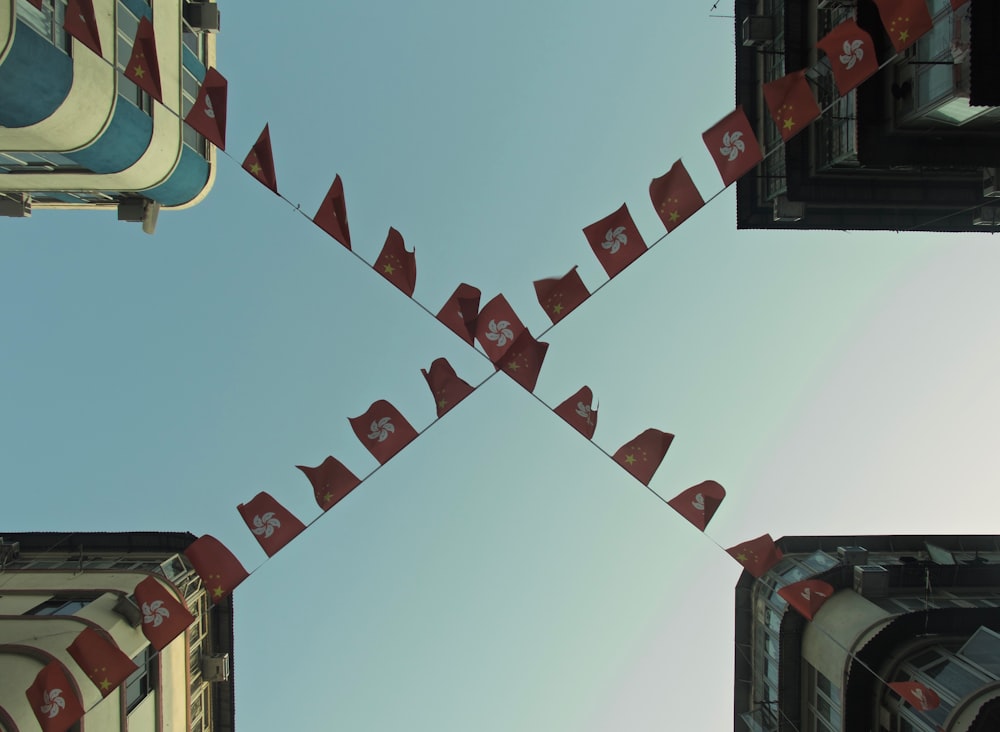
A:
(559, 296)
(81, 23)
(616, 241)
(919, 696)
(757, 555)
(272, 524)
(461, 311)
(791, 103)
(523, 360)
(733, 147)
(383, 430)
(331, 481)
(643, 455)
(448, 389)
(208, 115)
(164, 617)
(332, 214)
(396, 264)
(143, 69)
(579, 411)
(905, 21)
(102, 660)
(807, 596)
(53, 699)
(259, 161)
(675, 196)
(218, 568)
(699, 503)
(496, 328)
(851, 54)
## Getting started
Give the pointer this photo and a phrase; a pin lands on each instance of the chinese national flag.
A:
(143, 69)
(396, 264)
(559, 296)
(496, 328)
(38, 3)
(332, 214)
(101, 660)
(699, 503)
(643, 455)
(675, 196)
(955, 4)
(757, 555)
(272, 524)
(383, 430)
(218, 568)
(331, 481)
(53, 699)
(616, 241)
(905, 21)
(164, 617)
(807, 596)
(523, 360)
(733, 147)
(447, 388)
(578, 410)
(259, 161)
(208, 115)
(81, 23)
(851, 54)
(791, 103)
(919, 696)
(461, 311)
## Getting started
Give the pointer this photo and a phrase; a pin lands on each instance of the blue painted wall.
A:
(186, 182)
(121, 144)
(35, 79)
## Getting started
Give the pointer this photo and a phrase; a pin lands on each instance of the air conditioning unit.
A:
(127, 608)
(871, 580)
(18, 206)
(131, 209)
(991, 183)
(785, 210)
(215, 667)
(986, 216)
(853, 555)
(9, 550)
(202, 16)
(758, 30)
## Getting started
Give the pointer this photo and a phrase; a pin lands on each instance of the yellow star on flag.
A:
(442, 403)
(255, 168)
(674, 216)
(105, 685)
(741, 557)
(630, 459)
(388, 268)
(139, 71)
(218, 592)
(557, 308)
(513, 366)
(328, 497)
(904, 35)
(789, 123)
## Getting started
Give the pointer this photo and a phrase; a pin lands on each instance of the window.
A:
(143, 680)
(128, 27)
(47, 21)
(60, 606)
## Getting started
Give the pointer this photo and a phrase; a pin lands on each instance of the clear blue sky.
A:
(500, 574)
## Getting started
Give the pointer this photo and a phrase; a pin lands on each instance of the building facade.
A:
(54, 585)
(915, 147)
(76, 133)
(903, 609)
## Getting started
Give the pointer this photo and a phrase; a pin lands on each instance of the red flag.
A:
(81, 23)
(496, 328)
(383, 430)
(331, 481)
(791, 103)
(851, 54)
(164, 617)
(523, 360)
(699, 503)
(807, 596)
(905, 21)
(616, 241)
(461, 311)
(396, 264)
(272, 524)
(578, 410)
(559, 296)
(955, 4)
(218, 568)
(675, 196)
(643, 455)
(53, 699)
(919, 696)
(447, 388)
(38, 3)
(332, 214)
(143, 68)
(733, 146)
(102, 660)
(208, 115)
(259, 162)
(757, 555)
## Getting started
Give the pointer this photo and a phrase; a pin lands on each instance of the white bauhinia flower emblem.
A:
(584, 411)
(266, 524)
(919, 695)
(209, 109)
(54, 703)
(154, 613)
(852, 53)
(808, 593)
(732, 145)
(381, 429)
(615, 239)
(699, 502)
(499, 331)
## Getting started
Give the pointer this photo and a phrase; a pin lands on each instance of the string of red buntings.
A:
(503, 338)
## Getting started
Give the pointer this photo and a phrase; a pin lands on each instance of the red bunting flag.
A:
(396, 264)
(331, 481)
(919, 696)
(791, 103)
(218, 568)
(757, 555)
(496, 328)
(699, 503)
(675, 196)
(81, 23)
(259, 162)
(523, 360)
(38, 3)
(447, 388)
(807, 596)
(208, 115)
(559, 296)
(643, 455)
(53, 699)
(579, 411)
(461, 311)
(272, 524)
(332, 214)
(383, 430)
(956, 4)
(616, 241)
(143, 68)
(905, 21)
(733, 146)
(851, 53)
(164, 617)
(102, 660)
